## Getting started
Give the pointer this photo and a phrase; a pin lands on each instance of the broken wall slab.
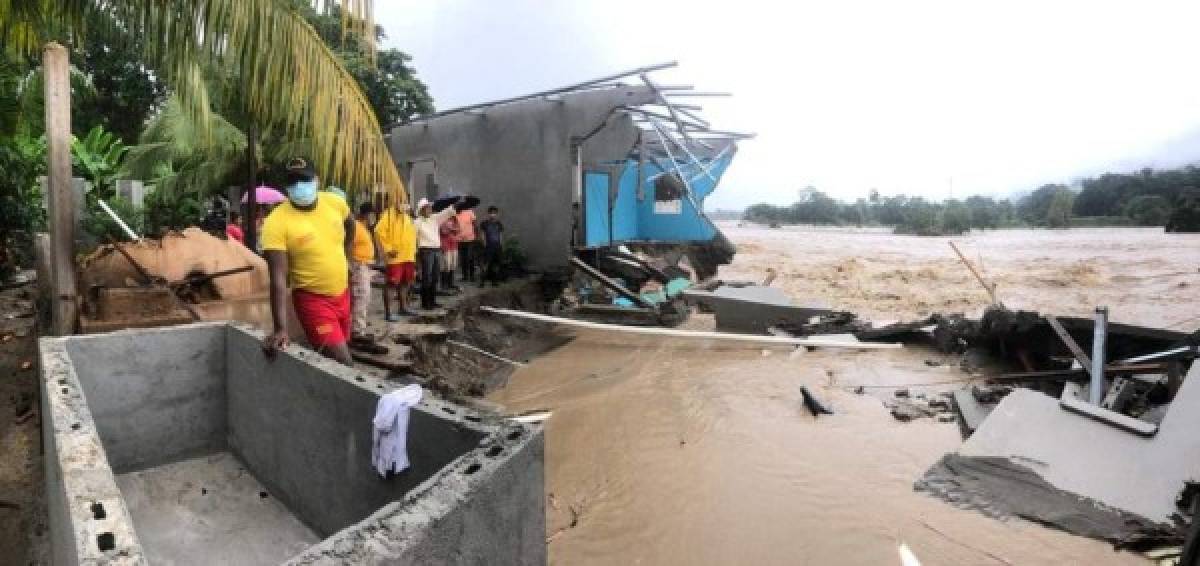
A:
(201, 400)
(752, 309)
(1093, 459)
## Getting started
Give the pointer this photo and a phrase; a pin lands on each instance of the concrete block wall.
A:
(89, 523)
(156, 397)
(301, 424)
(519, 157)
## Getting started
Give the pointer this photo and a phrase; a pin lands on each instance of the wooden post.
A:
(61, 200)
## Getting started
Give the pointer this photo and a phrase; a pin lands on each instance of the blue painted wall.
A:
(625, 210)
(595, 208)
(633, 220)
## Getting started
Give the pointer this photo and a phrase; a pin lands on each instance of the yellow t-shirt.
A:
(364, 248)
(314, 241)
(397, 234)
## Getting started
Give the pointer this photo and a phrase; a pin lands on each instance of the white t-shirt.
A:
(427, 228)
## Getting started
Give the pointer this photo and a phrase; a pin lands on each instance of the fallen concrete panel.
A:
(1002, 488)
(1095, 460)
(140, 404)
(752, 309)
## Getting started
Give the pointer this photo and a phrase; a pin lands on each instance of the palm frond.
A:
(192, 161)
(286, 74)
(26, 25)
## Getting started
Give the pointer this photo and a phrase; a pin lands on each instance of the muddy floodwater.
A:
(680, 452)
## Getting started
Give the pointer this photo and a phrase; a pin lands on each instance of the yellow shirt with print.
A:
(397, 234)
(364, 248)
(314, 241)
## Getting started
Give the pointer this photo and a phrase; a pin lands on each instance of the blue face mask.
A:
(303, 193)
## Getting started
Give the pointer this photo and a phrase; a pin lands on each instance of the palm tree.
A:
(287, 77)
(175, 157)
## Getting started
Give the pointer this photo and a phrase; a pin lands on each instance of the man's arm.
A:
(277, 267)
(447, 212)
(348, 241)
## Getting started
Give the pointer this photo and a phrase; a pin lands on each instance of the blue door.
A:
(597, 223)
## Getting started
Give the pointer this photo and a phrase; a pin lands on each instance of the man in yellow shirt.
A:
(307, 241)
(398, 242)
(360, 274)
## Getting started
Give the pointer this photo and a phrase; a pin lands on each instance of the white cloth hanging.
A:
(389, 449)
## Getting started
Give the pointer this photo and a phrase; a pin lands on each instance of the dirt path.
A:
(22, 515)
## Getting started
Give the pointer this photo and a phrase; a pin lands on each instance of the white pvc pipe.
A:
(485, 353)
(117, 219)
(671, 332)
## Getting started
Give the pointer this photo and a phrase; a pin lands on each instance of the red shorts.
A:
(401, 273)
(325, 319)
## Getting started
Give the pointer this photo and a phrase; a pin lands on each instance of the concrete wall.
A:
(519, 157)
(487, 508)
(1141, 475)
(156, 397)
(79, 481)
(302, 425)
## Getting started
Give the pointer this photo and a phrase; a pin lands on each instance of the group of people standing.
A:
(327, 255)
(431, 246)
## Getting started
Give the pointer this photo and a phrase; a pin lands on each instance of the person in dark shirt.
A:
(493, 241)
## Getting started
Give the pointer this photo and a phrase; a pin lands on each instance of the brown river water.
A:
(667, 451)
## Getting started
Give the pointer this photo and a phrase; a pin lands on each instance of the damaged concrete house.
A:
(606, 177)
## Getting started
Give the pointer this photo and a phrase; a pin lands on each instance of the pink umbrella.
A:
(266, 195)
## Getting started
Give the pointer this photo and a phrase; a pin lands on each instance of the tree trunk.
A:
(250, 216)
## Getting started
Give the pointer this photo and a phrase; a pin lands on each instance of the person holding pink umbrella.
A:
(266, 195)
(267, 198)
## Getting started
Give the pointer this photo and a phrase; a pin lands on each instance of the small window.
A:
(668, 187)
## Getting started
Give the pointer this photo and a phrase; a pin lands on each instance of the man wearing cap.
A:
(398, 241)
(308, 241)
(429, 248)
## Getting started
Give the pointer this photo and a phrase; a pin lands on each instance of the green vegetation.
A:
(908, 215)
(22, 159)
(170, 101)
(286, 77)
(1147, 198)
(1186, 215)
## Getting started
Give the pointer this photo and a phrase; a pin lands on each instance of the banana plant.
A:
(97, 158)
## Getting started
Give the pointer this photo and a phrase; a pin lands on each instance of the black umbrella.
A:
(441, 203)
(467, 203)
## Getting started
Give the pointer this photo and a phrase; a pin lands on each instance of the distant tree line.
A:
(1168, 198)
(1146, 198)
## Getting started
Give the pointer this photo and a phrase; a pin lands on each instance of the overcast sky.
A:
(914, 97)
